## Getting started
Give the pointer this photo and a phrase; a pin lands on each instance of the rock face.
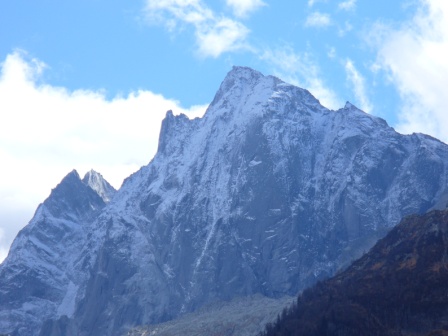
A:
(267, 193)
(398, 288)
(96, 181)
(37, 279)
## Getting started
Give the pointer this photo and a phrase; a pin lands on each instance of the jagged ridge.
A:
(267, 193)
(37, 279)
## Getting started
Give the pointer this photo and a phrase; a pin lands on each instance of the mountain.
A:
(36, 279)
(96, 181)
(398, 288)
(267, 193)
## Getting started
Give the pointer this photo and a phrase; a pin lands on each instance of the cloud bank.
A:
(47, 131)
(414, 58)
(214, 34)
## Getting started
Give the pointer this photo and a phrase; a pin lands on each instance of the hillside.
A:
(399, 288)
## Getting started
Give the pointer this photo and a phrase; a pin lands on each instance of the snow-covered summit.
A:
(96, 181)
(38, 280)
(245, 91)
(267, 193)
(349, 106)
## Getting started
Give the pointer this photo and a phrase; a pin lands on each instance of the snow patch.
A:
(67, 306)
(254, 163)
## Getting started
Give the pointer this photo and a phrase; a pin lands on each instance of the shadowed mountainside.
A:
(399, 288)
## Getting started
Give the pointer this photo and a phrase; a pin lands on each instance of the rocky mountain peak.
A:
(96, 181)
(173, 131)
(242, 74)
(72, 196)
(349, 106)
(70, 178)
(266, 194)
(39, 274)
(240, 85)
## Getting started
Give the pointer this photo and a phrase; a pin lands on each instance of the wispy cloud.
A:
(357, 82)
(215, 34)
(414, 56)
(343, 30)
(46, 131)
(223, 36)
(331, 52)
(347, 5)
(241, 8)
(311, 3)
(300, 69)
(317, 19)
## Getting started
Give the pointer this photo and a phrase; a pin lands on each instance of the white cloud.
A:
(47, 131)
(225, 35)
(415, 57)
(3, 249)
(176, 12)
(342, 31)
(311, 3)
(317, 19)
(215, 34)
(347, 5)
(331, 52)
(299, 69)
(241, 8)
(357, 82)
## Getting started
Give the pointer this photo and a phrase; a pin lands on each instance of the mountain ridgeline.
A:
(266, 194)
(38, 278)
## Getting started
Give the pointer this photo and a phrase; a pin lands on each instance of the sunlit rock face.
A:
(267, 193)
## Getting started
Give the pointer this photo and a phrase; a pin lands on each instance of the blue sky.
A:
(85, 84)
(120, 47)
